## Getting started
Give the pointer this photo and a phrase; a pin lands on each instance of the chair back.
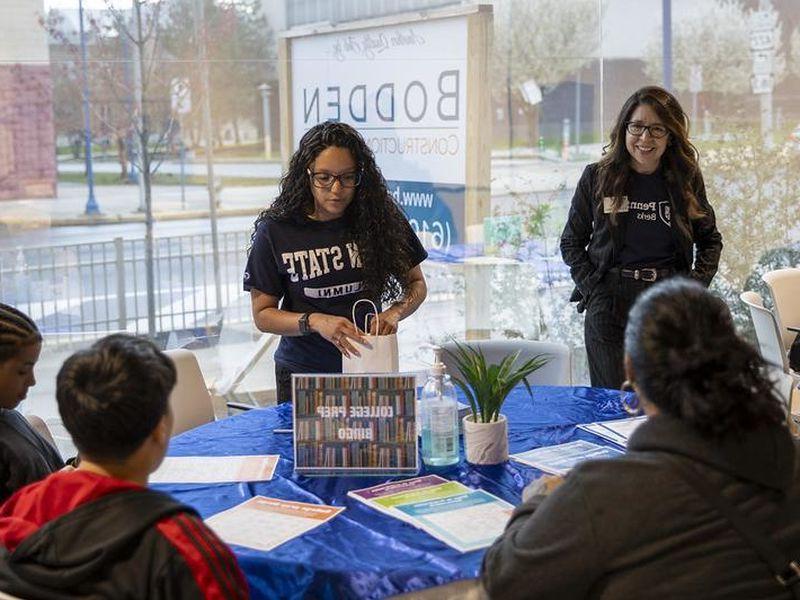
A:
(190, 400)
(767, 332)
(40, 427)
(557, 371)
(784, 287)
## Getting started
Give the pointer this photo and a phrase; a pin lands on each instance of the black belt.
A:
(647, 274)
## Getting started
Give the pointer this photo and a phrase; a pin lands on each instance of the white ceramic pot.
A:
(486, 443)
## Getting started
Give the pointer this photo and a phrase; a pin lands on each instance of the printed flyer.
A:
(462, 518)
(559, 459)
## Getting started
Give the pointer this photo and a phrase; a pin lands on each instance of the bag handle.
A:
(366, 317)
(785, 570)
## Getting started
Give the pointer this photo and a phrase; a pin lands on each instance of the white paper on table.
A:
(215, 469)
(466, 522)
(560, 459)
(618, 431)
(264, 523)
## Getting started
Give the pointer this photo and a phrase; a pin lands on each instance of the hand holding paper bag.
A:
(381, 356)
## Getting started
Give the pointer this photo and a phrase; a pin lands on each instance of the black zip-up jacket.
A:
(112, 547)
(590, 244)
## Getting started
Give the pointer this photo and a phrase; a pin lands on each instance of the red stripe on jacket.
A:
(209, 559)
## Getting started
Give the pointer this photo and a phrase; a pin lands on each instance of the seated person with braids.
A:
(656, 522)
(98, 531)
(25, 456)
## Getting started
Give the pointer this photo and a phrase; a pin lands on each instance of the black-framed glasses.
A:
(656, 131)
(326, 180)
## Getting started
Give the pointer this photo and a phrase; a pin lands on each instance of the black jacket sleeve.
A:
(577, 233)
(707, 239)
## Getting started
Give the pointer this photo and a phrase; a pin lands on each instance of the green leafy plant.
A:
(486, 386)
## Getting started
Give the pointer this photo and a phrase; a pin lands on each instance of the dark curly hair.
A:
(375, 222)
(691, 364)
(679, 161)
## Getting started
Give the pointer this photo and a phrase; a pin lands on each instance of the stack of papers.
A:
(618, 431)
(215, 469)
(559, 459)
(265, 523)
(462, 518)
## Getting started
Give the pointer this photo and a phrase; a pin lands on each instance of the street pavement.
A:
(513, 179)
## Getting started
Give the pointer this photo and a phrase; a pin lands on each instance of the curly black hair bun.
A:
(689, 361)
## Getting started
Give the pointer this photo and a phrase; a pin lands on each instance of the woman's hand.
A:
(388, 320)
(544, 486)
(339, 331)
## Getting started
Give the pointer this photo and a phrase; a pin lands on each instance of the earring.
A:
(629, 399)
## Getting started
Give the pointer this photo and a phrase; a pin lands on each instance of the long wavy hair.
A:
(689, 361)
(375, 222)
(678, 163)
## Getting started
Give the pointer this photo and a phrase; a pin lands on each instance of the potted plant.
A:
(486, 387)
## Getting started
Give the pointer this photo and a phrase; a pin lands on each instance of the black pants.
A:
(604, 328)
(283, 383)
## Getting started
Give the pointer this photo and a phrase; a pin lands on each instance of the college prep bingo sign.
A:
(407, 85)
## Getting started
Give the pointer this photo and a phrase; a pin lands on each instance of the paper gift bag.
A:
(381, 357)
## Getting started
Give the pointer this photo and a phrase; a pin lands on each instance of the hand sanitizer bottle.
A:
(439, 417)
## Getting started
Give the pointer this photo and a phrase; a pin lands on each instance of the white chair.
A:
(190, 400)
(784, 287)
(41, 427)
(556, 372)
(769, 342)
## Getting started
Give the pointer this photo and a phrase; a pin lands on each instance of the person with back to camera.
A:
(642, 525)
(25, 456)
(98, 531)
(639, 215)
(333, 236)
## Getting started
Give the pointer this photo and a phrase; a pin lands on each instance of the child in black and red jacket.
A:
(98, 531)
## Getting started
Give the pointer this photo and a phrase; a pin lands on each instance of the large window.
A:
(179, 101)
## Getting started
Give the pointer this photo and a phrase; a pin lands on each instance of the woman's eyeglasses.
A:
(326, 180)
(656, 131)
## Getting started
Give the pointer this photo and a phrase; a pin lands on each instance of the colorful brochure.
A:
(266, 523)
(215, 469)
(618, 431)
(559, 459)
(462, 518)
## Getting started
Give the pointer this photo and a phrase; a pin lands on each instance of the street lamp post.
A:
(92, 207)
(666, 33)
(265, 90)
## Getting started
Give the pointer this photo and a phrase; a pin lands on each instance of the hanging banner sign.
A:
(403, 85)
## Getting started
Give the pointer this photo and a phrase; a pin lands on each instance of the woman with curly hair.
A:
(333, 236)
(712, 468)
(639, 215)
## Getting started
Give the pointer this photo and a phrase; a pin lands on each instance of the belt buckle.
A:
(790, 576)
(649, 275)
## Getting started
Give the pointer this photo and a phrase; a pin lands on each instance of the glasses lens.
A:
(636, 128)
(350, 180)
(322, 179)
(657, 131)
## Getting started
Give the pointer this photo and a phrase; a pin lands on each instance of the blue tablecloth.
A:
(362, 553)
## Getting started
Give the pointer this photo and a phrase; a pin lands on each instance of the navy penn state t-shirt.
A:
(649, 240)
(312, 266)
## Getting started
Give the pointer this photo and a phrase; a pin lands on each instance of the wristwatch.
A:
(305, 328)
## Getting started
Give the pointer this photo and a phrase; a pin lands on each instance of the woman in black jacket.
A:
(640, 526)
(639, 215)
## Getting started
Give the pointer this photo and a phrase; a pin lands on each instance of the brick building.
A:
(27, 139)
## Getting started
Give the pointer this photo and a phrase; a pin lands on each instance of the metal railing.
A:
(101, 286)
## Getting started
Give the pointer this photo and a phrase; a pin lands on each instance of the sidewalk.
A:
(120, 204)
